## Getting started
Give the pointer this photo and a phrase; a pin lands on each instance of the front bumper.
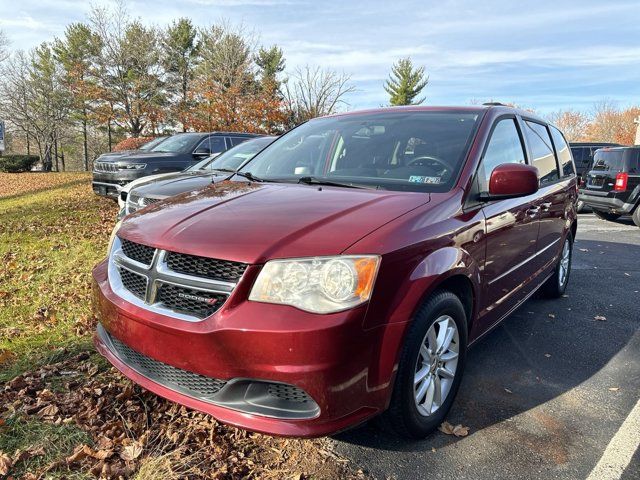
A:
(607, 201)
(337, 363)
(107, 183)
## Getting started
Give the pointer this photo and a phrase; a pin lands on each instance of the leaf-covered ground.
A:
(64, 412)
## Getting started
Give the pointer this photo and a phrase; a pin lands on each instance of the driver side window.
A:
(505, 146)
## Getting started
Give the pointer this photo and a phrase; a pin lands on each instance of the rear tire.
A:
(580, 206)
(556, 284)
(636, 216)
(612, 217)
(414, 410)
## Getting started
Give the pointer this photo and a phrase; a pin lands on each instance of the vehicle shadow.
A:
(542, 351)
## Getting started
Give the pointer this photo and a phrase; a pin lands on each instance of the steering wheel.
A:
(420, 162)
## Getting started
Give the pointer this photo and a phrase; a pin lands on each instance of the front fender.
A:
(425, 278)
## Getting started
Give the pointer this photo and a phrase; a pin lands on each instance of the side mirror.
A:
(201, 152)
(511, 180)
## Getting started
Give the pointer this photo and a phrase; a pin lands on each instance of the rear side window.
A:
(237, 140)
(563, 152)
(212, 145)
(541, 152)
(578, 154)
(633, 162)
(504, 146)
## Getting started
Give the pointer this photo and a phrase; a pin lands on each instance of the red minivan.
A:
(344, 271)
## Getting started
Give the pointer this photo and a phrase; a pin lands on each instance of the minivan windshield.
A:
(394, 150)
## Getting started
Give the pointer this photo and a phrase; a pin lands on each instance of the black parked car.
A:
(612, 185)
(202, 174)
(171, 155)
(110, 156)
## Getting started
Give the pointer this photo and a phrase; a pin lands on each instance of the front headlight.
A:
(319, 284)
(132, 166)
(113, 237)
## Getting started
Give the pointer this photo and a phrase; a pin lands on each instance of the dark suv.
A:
(344, 270)
(583, 156)
(612, 186)
(171, 155)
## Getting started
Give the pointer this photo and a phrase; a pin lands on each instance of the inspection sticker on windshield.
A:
(419, 179)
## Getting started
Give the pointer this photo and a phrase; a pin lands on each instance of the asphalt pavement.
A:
(552, 393)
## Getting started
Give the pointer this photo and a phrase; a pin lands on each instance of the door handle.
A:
(533, 211)
(546, 206)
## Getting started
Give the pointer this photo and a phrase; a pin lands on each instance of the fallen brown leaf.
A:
(5, 463)
(131, 452)
(458, 430)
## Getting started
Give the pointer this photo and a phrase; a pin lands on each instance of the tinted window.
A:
(181, 143)
(578, 154)
(504, 146)
(633, 161)
(212, 145)
(237, 140)
(609, 161)
(234, 157)
(564, 154)
(373, 150)
(541, 152)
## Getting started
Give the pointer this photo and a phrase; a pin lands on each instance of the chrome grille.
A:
(108, 167)
(135, 202)
(206, 267)
(182, 380)
(136, 284)
(288, 392)
(190, 301)
(142, 275)
(136, 251)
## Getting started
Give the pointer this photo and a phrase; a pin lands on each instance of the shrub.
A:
(18, 163)
(132, 143)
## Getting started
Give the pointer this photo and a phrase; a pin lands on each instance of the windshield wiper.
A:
(249, 176)
(320, 181)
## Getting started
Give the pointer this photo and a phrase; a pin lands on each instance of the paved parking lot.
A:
(552, 392)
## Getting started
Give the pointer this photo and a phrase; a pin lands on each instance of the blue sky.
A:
(541, 54)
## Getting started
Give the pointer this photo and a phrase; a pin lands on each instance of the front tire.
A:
(636, 216)
(612, 217)
(430, 368)
(556, 285)
(580, 206)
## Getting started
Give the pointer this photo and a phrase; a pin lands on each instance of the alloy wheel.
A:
(436, 365)
(563, 272)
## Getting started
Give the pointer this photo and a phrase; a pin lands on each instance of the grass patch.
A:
(46, 442)
(51, 236)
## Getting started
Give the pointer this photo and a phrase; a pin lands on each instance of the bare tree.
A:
(313, 92)
(573, 124)
(34, 99)
(4, 47)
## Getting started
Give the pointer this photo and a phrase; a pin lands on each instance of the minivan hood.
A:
(253, 222)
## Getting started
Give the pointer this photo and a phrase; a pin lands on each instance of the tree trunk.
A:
(64, 167)
(109, 133)
(85, 149)
(55, 152)
(28, 145)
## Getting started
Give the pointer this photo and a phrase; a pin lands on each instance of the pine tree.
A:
(180, 57)
(405, 83)
(271, 63)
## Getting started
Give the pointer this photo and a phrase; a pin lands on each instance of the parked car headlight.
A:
(318, 284)
(132, 166)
